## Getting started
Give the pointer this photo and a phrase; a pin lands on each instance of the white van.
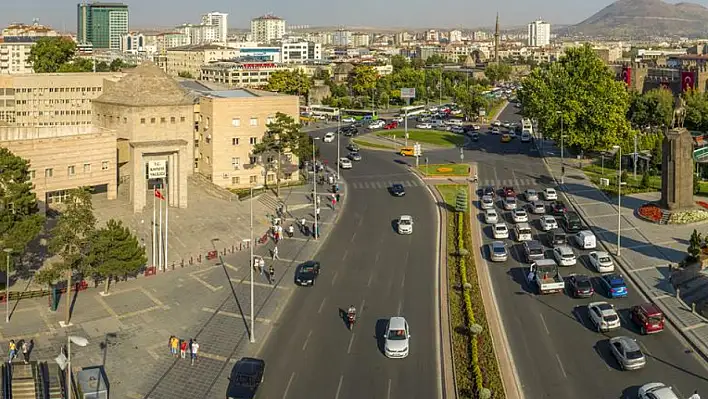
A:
(525, 136)
(523, 232)
(454, 122)
(585, 239)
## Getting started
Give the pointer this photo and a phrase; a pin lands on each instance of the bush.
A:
(645, 180)
(624, 177)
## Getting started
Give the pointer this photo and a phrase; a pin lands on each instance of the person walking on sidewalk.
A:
(193, 349)
(183, 349)
(317, 213)
(271, 274)
(275, 253)
(26, 349)
(174, 345)
(12, 351)
(291, 230)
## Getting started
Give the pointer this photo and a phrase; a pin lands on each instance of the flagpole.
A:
(154, 228)
(167, 218)
(159, 234)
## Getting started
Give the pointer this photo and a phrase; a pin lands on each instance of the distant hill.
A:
(636, 18)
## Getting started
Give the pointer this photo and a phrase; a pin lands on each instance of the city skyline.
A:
(366, 13)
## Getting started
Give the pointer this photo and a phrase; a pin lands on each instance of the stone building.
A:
(152, 116)
(643, 77)
(189, 59)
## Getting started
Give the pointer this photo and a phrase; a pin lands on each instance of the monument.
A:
(677, 163)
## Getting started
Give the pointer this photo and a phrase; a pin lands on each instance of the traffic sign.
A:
(408, 92)
(417, 150)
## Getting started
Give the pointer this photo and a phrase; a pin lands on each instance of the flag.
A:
(159, 195)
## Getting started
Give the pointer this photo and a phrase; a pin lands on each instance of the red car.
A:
(391, 125)
(648, 317)
(508, 191)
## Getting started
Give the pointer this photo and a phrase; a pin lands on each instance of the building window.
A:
(152, 120)
(87, 168)
(49, 172)
(253, 179)
(235, 162)
(71, 170)
(104, 165)
(252, 160)
(271, 178)
(235, 180)
(253, 140)
(234, 141)
(208, 160)
(163, 120)
(236, 122)
(254, 121)
(182, 118)
(173, 119)
(142, 121)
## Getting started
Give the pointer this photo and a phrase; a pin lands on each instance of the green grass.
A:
(369, 144)
(492, 111)
(449, 192)
(426, 136)
(458, 169)
(596, 172)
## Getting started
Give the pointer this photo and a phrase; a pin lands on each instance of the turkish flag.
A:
(159, 195)
(688, 80)
(627, 75)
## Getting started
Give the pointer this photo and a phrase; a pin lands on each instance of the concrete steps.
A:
(25, 383)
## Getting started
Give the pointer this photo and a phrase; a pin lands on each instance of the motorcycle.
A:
(351, 319)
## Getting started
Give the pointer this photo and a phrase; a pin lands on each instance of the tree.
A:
(657, 154)
(435, 59)
(694, 245)
(654, 108)
(399, 62)
(497, 72)
(49, 53)
(82, 65)
(645, 179)
(115, 251)
(696, 110)
(71, 237)
(363, 79)
(592, 104)
(185, 75)
(20, 220)
(470, 101)
(118, 65)
(283, 135)
(417, 63)
(289, 82)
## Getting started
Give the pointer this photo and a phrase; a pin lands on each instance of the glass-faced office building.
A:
(102, 24)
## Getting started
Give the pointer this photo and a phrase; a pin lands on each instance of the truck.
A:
(545, 275)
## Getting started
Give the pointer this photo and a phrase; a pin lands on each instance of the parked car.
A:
(500, 231)
(531, 195)
(487, 202)
(603, 316)
(533, 251)
(547, 223)
(377, 124)
(585, 239)
(537, 208)
(246, 377)
(489, 190)
(656, 390)
(352, 147)
(580, 286)
(557, 208)
(348, 119)
(424, 126)
(345, 163)
(391, 125)
(519, 216)
(564, 255)
(550, 194)
(490, 216)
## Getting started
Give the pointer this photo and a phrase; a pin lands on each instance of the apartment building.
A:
(166, 40)
(15, 45)
(51, 99)
(267, 28)
(240, 74)
(34, 30)
(231, 123)
(539, 33)
(221, 21)
(300, 51)
(360, 39)
(189, 59)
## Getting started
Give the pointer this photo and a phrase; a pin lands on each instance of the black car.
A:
(352, 147)
(571, 222)
(307, 273)
(557, 208)
(474, 136)
(489, 190)
(398, 190)
(246, 377)
(349, 131)
(580, 286)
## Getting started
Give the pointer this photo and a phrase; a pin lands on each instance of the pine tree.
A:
(115, 251)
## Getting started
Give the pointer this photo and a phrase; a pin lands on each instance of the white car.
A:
(531, 195)
(476, 127)
(548, 223)
(550, 194)
(657, 390)
(345, 163)
(500, 231)
(490, 216)
(601, 261)
(396, 343)
(377, 125)
(348, 119)
(457, 129)
(509, 203)
(487, 202)
(328, 137)
(519, 216)
(564, 255)
(398, 119)
(604, 316)
(405, 224)
(496, 123)
(424, 126)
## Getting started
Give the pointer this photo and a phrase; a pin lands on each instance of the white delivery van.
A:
(586, 239)
(523, 232)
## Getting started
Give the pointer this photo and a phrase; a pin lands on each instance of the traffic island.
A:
(477, 373)
(372, 145)
(445, 170)
(424, 136)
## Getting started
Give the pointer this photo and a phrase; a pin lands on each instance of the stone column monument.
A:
(677, 164)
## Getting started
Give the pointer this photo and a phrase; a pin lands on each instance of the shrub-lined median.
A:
(370, 144)
(425, 136)
(447, 169)
(476, 367)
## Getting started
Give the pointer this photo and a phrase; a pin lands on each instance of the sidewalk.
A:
(647, 249)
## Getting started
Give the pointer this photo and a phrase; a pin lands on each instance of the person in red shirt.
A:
(183, 349)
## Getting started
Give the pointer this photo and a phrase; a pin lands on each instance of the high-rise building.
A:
(539, 33)
(102, 24)
(342, 37)
(267, 28)
(455, 36)
(221, 21)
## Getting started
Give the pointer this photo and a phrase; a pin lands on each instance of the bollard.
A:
(173, 266)
(199, 258)
(233, 248)
(693, 308)
(678, 293)
(191, 260)
(181, 263)
(224, 251)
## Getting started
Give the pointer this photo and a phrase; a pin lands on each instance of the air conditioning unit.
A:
(225, 176)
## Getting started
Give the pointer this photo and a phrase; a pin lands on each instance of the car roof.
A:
(549, 189)
(523, 226)
(660, 390)
(629, 344)
(581, 277)
(490, 210)
(397, 323)
(650, 309)
(613, 277)
(600, 254)
(533, 244)
(406, 217)
(500, 225)
(564, 249)
(498, 244)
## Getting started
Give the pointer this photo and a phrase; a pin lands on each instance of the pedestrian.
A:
(194, 348)
(275, 253)
(317, 212)
(695, 395)
(302, 222)
(334, 202)
(174, 345)
(183, 349)
(271, 274)
(12, 350)
(337, 196)
(26, 349)
(291, 230)
(169, 343)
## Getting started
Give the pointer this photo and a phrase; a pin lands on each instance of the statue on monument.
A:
(679, 112)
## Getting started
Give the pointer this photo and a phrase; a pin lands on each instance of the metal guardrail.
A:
(700, 153)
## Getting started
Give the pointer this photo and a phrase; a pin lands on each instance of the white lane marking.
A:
(351, 342)
(388, 394)
(545, 326)
(287, 387)
(561, 366)
(322, 305)
(361, 308)
(371, 277)
(353, 236)
(344, 257)
(304, 346)
(339, 387)
(378, 255)
(334, 278)
(403, 280)
(400, 307)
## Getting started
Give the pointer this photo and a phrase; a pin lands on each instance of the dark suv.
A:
(246, 377)
(571, 222)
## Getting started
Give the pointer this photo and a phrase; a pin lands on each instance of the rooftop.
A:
(199, 47)
(268, 16)
(144, 86)
(237, 93)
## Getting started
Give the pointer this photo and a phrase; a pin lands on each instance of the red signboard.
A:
(688, 80)
(627, 75)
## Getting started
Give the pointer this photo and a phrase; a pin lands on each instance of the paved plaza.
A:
(128, 330)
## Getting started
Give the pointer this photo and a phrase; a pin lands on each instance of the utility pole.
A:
(636, 156)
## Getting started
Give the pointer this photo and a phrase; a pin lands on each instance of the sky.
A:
(61, 14)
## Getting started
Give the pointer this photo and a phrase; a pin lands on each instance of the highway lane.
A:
(367, 264)
(553, 331)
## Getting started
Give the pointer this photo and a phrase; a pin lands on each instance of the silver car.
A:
(531, 195)
(498, 251)
(537, 207)
(487, 202)
(628, 353)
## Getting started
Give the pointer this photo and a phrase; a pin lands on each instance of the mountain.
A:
(651, 18)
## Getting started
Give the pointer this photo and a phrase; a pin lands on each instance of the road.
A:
(311, 354)
(553, 331)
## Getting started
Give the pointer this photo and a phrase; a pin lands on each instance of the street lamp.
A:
(620, 183)
(250, 247)
(77, 340)
(314, 185)
(339, 132)
(8, 251)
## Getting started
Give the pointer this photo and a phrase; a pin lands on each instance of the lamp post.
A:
(314, 185)
(562, 162)
(250, 247)
(339, 132)
(77, 340)
(620, 183)
(8, 251)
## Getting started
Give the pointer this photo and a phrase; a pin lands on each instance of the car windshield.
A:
(396, 335)
(500, 228)
(535, 251)
(308, 269)
(568, 256)
(510, 200)
(584, 284)
(610, 318)
(634, 355)
(655, 319)
(499, 250)
(405, 222)
(605, 259)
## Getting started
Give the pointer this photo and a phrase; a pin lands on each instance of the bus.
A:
(361, 114)
(321, 110)
(413, 110)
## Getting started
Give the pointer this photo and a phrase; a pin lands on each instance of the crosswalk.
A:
(382, 184)
(509, 182)
(269, 200)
